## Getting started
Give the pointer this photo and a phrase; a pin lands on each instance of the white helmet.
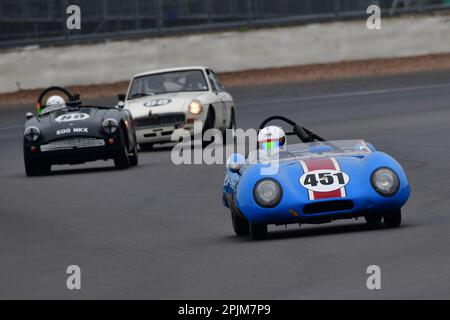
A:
(271, 138)
(55, 101)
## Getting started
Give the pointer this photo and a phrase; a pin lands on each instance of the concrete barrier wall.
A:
(32, 68)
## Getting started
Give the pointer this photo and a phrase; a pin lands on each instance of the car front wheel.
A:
(373, 220)
(134, 158)
(36, 168)
(240, 224)
(393, 219)
(258, 231)
(231, 127)
(121, 160)
(146, 146)
(209, 124)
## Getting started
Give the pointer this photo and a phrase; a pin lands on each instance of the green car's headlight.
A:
(32, 134)
(110, 126)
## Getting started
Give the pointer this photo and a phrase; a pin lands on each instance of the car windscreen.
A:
(61, 109)
(302, 151)
(51, 109)
(168, 82)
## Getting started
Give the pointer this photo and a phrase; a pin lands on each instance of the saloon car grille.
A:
(328, 206)
(160, 120)
(73, 143)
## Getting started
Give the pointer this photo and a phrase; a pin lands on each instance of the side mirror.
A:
(121, 104)
(121, 97)
(235, 167)
(29, 115)
(235, 162)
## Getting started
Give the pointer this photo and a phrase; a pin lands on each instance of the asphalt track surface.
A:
(159, 230)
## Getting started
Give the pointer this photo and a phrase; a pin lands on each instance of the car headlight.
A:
(385, 181)
(110, 126)
(267, 193)
(195, 107)
(32, 134)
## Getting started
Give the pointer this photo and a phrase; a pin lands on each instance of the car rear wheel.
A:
(121, 160)
(258, 231)
(373, 220)
(146, 146)
(393, 219)
(240, 224)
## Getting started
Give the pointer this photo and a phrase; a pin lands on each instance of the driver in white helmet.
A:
(271, 141)
(55, 101)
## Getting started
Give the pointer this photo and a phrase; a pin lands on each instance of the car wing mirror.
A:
(121, 97)
(235, 163)
(234, 167)
(29, 115)
(120, 105)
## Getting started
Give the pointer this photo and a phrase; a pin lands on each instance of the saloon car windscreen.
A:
(169, 82)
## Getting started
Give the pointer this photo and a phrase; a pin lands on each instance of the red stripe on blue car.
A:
(320, 182)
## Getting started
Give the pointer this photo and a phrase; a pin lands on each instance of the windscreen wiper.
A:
(141, 94)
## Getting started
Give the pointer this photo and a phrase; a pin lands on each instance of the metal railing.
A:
(28, 22)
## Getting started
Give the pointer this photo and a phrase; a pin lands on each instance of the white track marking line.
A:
(11, 128)
(346, 94)
(320, 97)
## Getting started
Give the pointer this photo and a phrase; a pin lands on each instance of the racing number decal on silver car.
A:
(323, 179)
(70, 117)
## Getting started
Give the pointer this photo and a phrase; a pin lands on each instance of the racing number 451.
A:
(324, 178)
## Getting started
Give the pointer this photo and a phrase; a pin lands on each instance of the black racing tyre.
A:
(258, 231)
(240, 224)
(373, 219)
(209, 124)
(134, 157)
(146, 146)
(35, 168)
(232, 126)
(392, 219)
(210, 119)
(233, 120)
(121, 160)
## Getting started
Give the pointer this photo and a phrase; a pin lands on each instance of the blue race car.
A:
(316, 181)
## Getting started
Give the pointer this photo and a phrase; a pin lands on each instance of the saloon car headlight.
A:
(385, 181)
(32, 134)
(195, 107)
(267, 193)
(110, 126)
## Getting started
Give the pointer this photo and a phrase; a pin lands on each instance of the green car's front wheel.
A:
(35, 168)
(121, 160)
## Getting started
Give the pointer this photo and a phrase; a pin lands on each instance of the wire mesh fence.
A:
(26, 22)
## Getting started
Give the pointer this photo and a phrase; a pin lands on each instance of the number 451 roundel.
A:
(324, 180)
